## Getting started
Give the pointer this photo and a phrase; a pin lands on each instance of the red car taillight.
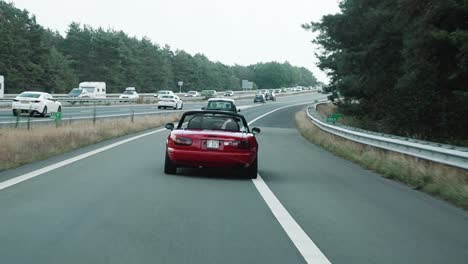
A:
(36, 101)
(181, 141)
(241, 144)
(16, 100)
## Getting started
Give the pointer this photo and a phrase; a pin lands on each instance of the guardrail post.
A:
(29, 122)
(133, 116)
(94, 114)
(29, 118)
(17, 117)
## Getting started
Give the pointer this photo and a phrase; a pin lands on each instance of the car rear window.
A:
(220, 105)
(30, 95)
(213, 122)
(167, 97)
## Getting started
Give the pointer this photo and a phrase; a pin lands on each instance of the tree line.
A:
(400, 66)
(35, 58)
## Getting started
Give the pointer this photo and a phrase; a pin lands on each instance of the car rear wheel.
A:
(44, 112)
(169, 167)
(15, 112)
(181, 106)
(251, 172)
(59, 110)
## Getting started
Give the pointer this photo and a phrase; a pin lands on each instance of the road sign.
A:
(246, 85)
(57, 116)
(333, 118)
(180, 83)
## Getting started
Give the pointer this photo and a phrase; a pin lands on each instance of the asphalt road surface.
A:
(117, 206)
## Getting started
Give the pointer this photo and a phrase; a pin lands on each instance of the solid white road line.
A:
(298, 236)
(38, 172)
(301, 240)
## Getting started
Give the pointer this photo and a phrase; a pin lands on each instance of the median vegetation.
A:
(442, 181)
(21, 146)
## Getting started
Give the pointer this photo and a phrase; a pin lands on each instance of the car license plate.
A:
(212, 144)
(24, 102)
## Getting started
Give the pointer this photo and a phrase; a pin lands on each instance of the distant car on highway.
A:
(170, 101)
(259, 98)
(264, 91)
(129, 93)
(192, 94)
(78, 93)
(163, 92)
(229, 93)
(208, 94)
(277, 91)
(35, 103)
(212, 139)
(221, 104)
(270, 95)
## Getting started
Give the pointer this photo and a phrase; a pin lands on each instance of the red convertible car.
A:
(212, 139)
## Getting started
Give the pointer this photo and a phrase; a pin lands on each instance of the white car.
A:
(170, 101)
(192, 94)
(35, 103)
(163, 92)
(129, 94)
(229, 93)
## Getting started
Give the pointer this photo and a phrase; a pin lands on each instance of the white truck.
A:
(92, 90)
(2, 86)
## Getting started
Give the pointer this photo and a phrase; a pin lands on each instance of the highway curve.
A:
(117, 206)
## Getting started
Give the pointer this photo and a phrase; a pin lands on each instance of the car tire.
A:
(31, 114)
(44, 112)
(159, 107)
(181, 106)
(251, 172)
(169, 167)
(59, 109)
(15, 113)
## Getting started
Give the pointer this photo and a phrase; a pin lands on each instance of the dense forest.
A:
(35, 58)
(400, 66)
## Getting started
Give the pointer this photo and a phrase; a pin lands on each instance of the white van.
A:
(94, 89)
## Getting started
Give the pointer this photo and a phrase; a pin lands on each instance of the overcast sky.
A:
(230, 31)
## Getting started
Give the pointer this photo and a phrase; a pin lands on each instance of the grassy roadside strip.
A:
(21, 146)
(445, 182)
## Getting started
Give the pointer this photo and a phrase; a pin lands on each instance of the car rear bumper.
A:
(25, 107)
(166, 104)
(211, 159)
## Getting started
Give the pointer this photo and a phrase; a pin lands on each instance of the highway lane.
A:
(98, 210)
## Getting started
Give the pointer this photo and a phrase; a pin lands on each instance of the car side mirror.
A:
(203, 108)
(256, 130)
(170, 126)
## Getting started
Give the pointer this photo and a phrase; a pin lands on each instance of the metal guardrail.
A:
(114, 98)
(441, 153)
